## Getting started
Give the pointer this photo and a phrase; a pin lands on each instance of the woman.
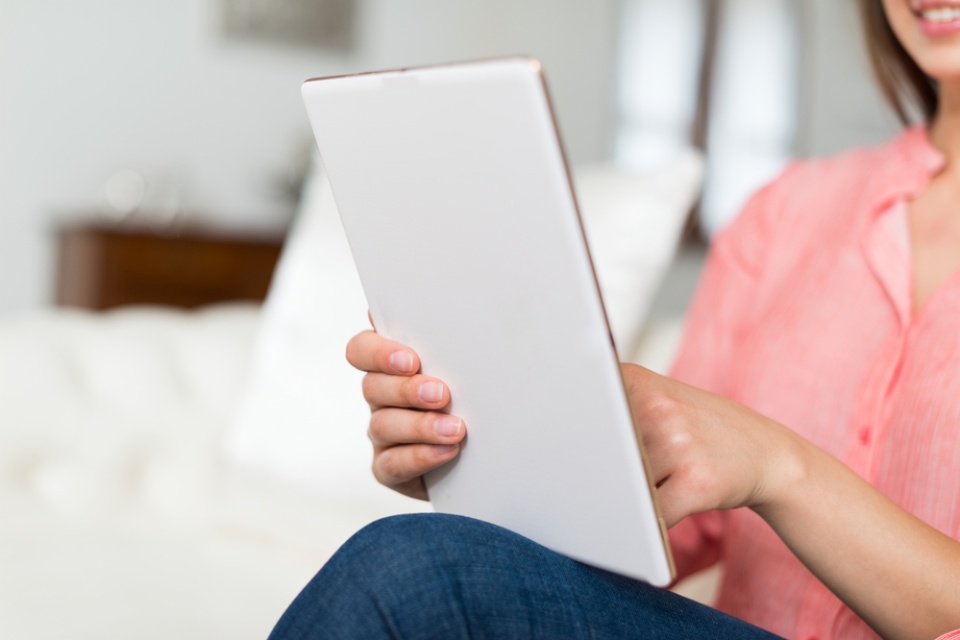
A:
(831, 306)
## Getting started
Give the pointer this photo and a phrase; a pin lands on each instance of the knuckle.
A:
(375, 428)
(425, 425)
(355, 349)
(679, 441)
(378, 473)
(388, 427)
(423, 459)
(409, 389)
(699, 482)
(360, 349)
(350, 352)
(389, 467)
(368, 385)
(658, 407)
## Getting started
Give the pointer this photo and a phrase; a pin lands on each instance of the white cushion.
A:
(303, 417)
(633, 223)
(100, 412)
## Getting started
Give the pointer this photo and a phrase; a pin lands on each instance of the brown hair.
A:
(901, 80)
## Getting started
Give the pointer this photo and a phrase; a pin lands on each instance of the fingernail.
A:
(445, 449)
(447, 426)
(430, 392)
(401, 361)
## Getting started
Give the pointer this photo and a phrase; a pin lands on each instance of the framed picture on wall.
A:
(326, 24)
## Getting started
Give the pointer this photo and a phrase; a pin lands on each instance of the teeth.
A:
(942, 14)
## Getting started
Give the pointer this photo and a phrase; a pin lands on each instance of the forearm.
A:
(896, 572)
(707, 452)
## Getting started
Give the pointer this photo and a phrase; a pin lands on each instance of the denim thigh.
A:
(428, 576)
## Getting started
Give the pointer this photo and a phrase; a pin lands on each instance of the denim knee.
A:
(396, 573)
(426, 548)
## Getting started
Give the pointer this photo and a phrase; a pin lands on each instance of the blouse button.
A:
(865, 435)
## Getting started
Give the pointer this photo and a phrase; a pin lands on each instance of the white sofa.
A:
(119, 517)
(122, 512)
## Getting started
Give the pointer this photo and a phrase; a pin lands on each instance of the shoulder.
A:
(828, 189)
(841, 175)
(838, 175)
(863, 173)
(814, 199)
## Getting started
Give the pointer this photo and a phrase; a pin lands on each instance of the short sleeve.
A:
(717, 316)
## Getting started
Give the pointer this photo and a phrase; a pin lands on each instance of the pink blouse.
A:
(804, 313)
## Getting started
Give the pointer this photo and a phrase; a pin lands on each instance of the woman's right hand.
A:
(409, 431)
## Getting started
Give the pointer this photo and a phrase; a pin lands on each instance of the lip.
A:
(933, 29)
(919, 6)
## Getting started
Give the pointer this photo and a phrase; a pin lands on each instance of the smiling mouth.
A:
(938, 14)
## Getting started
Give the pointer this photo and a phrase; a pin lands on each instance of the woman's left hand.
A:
(707, 452)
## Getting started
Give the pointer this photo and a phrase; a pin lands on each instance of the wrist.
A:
(786, 474)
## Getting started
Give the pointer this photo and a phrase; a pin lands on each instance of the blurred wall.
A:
(788, 78)
(91, 87)
(840, 106)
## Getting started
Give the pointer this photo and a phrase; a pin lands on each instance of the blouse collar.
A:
(911, 161)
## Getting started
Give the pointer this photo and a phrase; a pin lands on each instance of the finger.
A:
(369, 351)
(665, 451)
(414, 488)
(392, 426)
(418, 392)
(636, 377)
(404, 463)
(682, 494)
(672, 508)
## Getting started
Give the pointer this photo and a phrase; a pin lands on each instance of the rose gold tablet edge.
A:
(533, 62)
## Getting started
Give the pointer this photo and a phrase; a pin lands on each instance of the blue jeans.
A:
(441, 576)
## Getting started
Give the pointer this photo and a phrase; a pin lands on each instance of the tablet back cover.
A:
(456, 201)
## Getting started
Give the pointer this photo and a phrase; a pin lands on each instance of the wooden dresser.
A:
(102, 266)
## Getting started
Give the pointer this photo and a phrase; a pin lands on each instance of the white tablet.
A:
(457, 204)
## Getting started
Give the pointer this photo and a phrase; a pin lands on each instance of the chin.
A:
(940, 63)
(930, 32)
